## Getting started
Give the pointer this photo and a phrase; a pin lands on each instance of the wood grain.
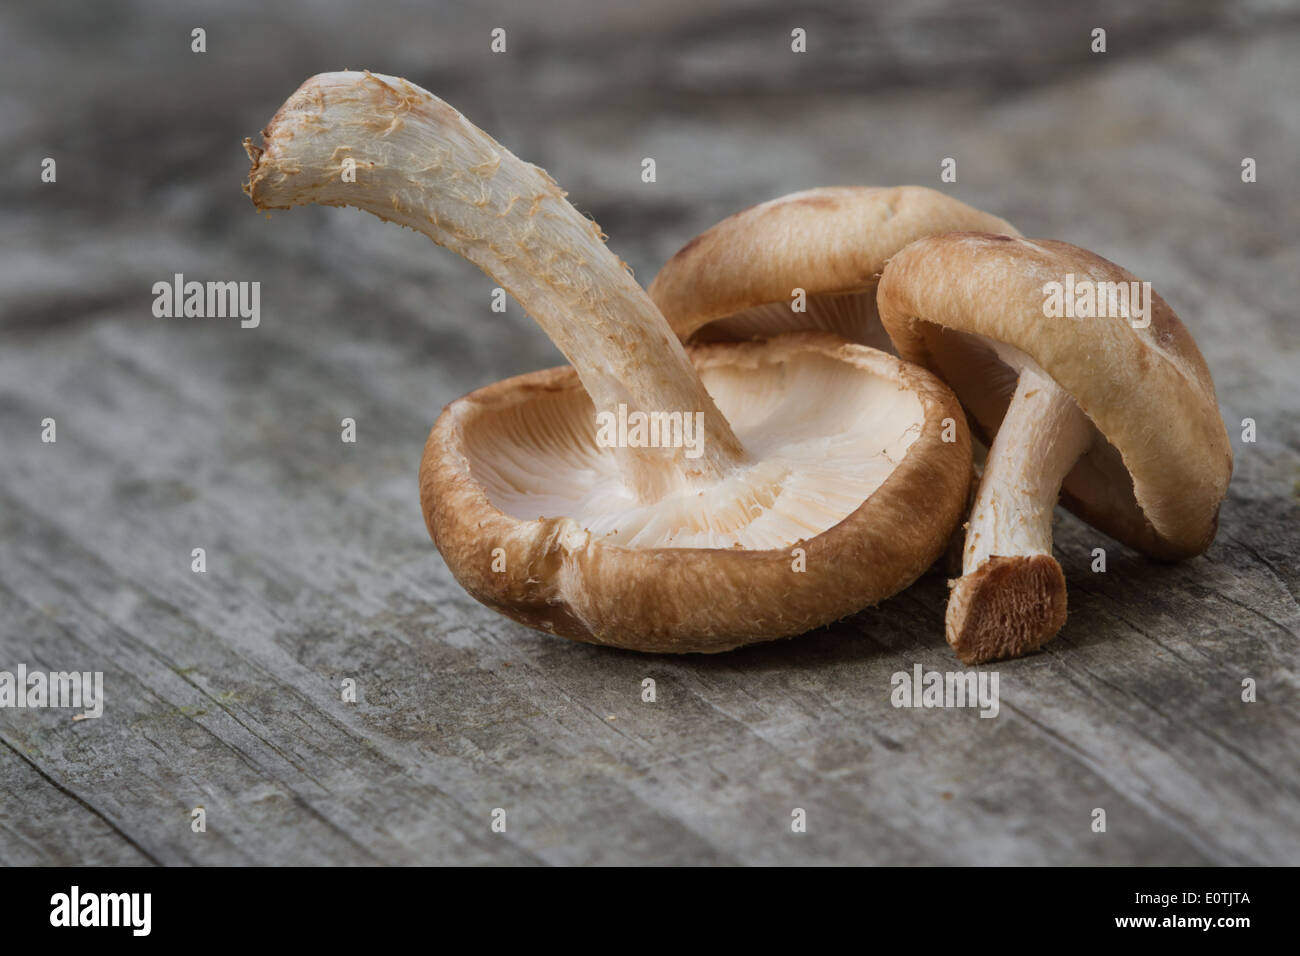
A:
(223, 689)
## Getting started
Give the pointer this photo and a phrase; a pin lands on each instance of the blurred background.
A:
(180, 433)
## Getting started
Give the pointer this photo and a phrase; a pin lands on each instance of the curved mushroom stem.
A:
(1011, 596)
(386, 146)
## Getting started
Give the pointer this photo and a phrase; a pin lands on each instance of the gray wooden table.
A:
(223, 689)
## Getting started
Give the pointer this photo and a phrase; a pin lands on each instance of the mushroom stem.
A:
(388, 147)
(1011, 596)
(1041, 438)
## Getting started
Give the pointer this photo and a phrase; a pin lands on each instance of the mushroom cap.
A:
(734, 281)
(848, 462)
(1156, 478)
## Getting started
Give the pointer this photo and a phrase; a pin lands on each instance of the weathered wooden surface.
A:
(223, 688)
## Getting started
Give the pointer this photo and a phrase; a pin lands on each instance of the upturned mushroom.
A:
(809, 260)
(1089, 388)
(619, 500)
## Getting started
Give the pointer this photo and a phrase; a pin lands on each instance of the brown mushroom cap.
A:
(735, 280)
(1156, 480)
(848, 463)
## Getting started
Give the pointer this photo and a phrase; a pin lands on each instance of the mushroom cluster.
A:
(1112, 411)
(1109, 407)
(717, 466)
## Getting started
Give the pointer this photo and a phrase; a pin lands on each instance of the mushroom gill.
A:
(822, 436)
(850, 315)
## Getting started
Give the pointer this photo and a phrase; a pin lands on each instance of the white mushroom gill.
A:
(851, 315)
(822, 436)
